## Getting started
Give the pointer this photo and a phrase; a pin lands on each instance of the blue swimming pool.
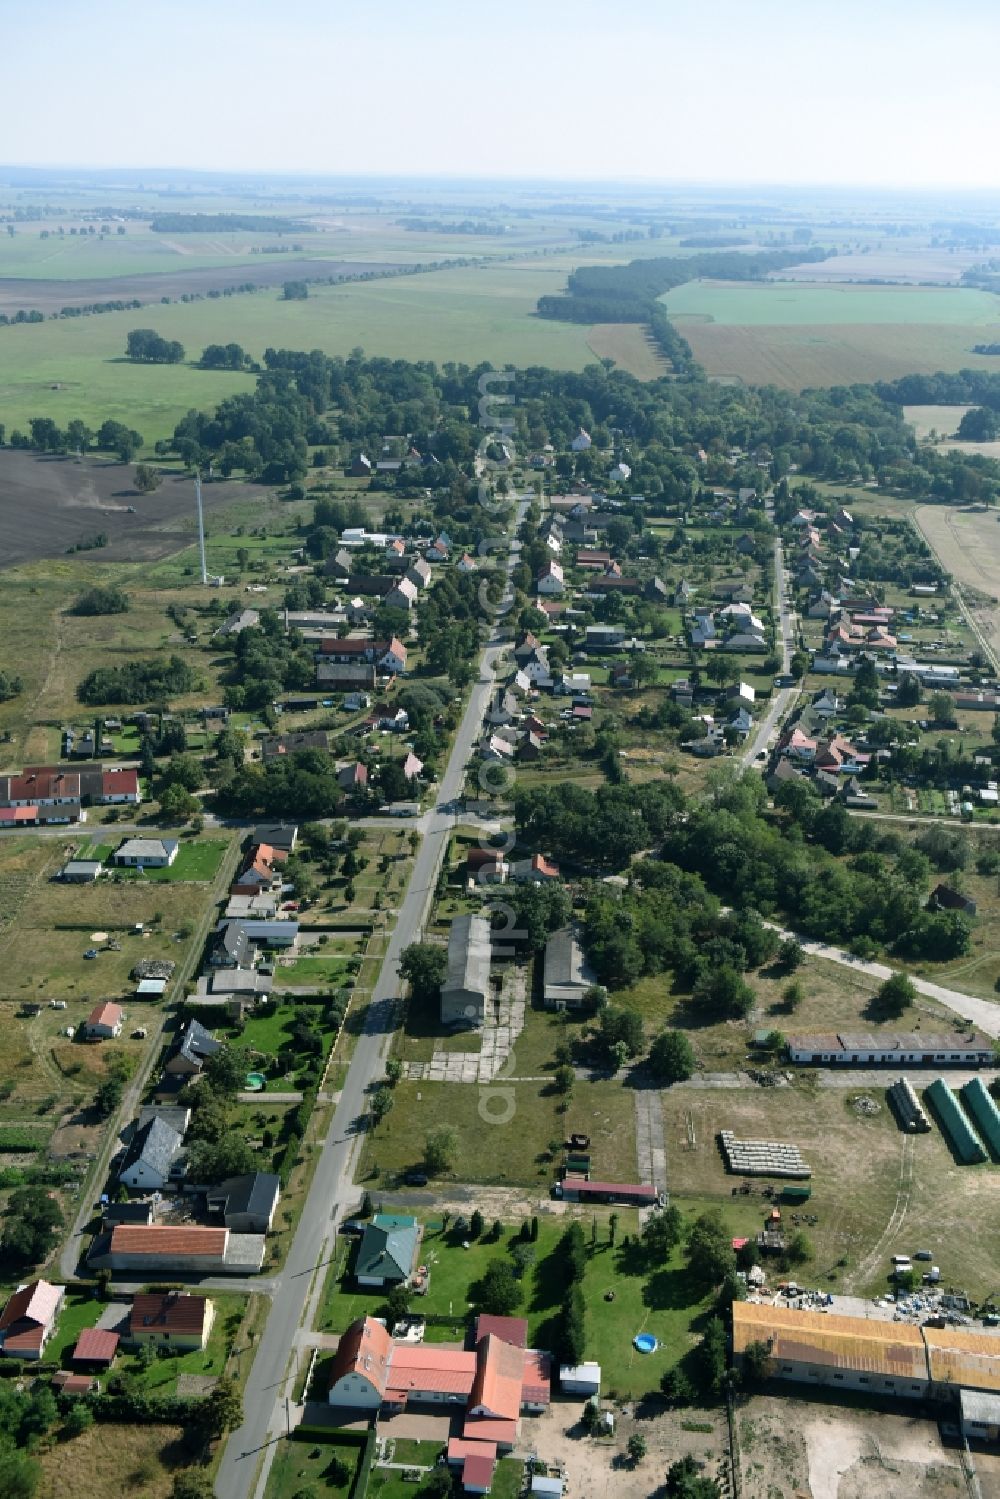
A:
(645, 1342)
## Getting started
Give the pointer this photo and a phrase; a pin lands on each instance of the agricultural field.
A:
(942, 421)
(631, 348)
(806, 335)
(76, 368)
(967, 543)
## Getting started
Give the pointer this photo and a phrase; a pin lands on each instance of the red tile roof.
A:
(477, 1473)
(72, 1384)
(106, 1013)
(487, 1429)
(365, 1349)
(536, 1387)
(95, 1346)
(162, 1238)
(499, 1375)
(120, 783)
(443, 1370)
(174, 1311)
(43, 784)
(513, 1330)
(459, 1449)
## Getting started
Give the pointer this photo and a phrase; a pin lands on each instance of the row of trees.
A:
(146, 346)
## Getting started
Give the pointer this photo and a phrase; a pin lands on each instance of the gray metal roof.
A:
(254, 1193)
(468, 955)
(146, 848)
(567, 973)
(156, 1143)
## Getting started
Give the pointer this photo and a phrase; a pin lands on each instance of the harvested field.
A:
(263, 270)
(49, 504)
(779, 303)
(941, 266)
(814, 355)
(630, 346)
(943, 420)
(967, 543)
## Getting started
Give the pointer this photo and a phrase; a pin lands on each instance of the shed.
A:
(81, 871)
(547, 1486)
(580, 1379)
(150, 988)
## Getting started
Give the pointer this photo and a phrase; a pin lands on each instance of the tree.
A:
(909, 691)
(799, 664)
(79, 1418)
(440, 1149)
(177, 804)
(571, 1337)
(146, 346)
(423, 965)
(799, 1249)
(564, 1078)
(685, 1481)
(620, 1027)
(30, 1227)
(709, 1250)
(499, 1292)
(226, 1070)
(636, 1448)
(381, 1103)
(295, 291)
(476, 1225)
(792, 995)
(192, 1485)
(791, 954)
(10, 686)
(147, 478)
(214, 1161)
(671, 1057)
(757, 1364)
(662, 1233)
(108, 1097)
(397, 1303)
(941, 707)
(724, 991)
(101, 600)
(222, 1408)
(896, 995)
(711, 1360)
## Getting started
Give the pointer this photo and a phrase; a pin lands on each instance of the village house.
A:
(164, 1248)
(550, 579)
(104, 1022)
(246, 1204)
(387, 1251)
(153, 1157)
(29, 1318)
(146, 853)
(171, 1319)
(403, 596)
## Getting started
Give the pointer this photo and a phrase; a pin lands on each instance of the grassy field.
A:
(196, 861)
(108, 1459)
(807, 335)
(943, 420)
(66, 369)
(517, 1152)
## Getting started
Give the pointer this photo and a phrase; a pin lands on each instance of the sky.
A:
(858, 92)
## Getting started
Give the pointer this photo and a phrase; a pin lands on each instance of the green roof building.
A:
(387, 1250)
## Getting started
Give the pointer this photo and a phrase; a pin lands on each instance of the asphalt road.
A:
(270, 1382)
(783, 699)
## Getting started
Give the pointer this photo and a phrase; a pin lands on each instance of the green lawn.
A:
(389, 1483)
(195, 861)
(302, 1466)
(271, 1034)
(319, 972)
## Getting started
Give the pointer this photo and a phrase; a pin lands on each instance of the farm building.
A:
(81, 871)
(634, 1195)
(567, 974)
(849, 1049)
(467, 981)
(980, 1416)
(246, 1204)
(164, 1248)
(580, 1379)
(957, 1130)
(868, 1354)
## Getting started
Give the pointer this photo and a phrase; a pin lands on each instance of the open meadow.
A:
(797, 336)
(967, 543)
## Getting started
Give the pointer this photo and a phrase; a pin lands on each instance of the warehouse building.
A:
(873, 1049)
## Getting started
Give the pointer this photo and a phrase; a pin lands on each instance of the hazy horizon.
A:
(659, 95)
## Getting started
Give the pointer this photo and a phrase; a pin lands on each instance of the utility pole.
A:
(201, 528)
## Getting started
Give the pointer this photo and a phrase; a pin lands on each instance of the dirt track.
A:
(48, 504)
(262, 270)
(967, 543)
